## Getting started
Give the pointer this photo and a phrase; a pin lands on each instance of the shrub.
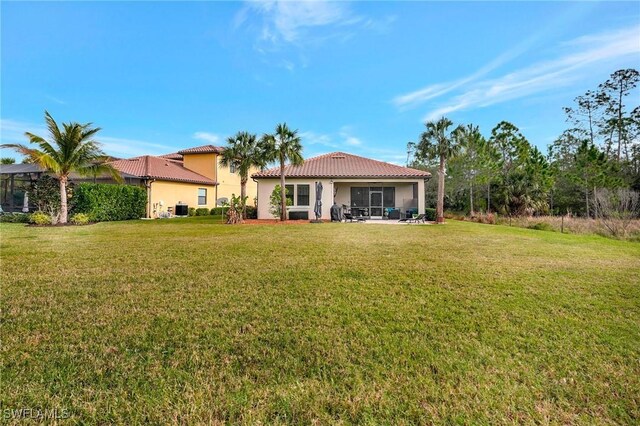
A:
(217, 211)
(275, 201)
(252, 212)
(192, 211)
(45, 194)
(541, 226)
(430, 214)
(104, 202)
(79, 219)
(41, 218)
(203, 211)
(15, 218)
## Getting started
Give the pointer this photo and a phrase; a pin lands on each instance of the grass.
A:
(189, 321)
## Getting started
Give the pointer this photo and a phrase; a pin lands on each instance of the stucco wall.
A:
(229, 183)
(265, 188)
(204, 164)
(173, 192)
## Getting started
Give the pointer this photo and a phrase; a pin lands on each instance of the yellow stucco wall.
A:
(229, 183)
(204, 164)
(171, 193)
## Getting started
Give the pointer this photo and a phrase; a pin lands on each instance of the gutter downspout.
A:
(147, 185)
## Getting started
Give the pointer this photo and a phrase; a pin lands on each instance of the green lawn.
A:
(190, 321)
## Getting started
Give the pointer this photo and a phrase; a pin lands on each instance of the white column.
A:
(421, 197)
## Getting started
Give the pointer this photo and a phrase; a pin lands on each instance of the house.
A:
(193, 176)
(372, 187)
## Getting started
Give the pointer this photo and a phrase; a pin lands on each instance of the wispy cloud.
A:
(293, 28)
(12, 131)
(322, 143)
(348, 138)
(56, 100)
(206, 136)
(288, 21)
(576, 58)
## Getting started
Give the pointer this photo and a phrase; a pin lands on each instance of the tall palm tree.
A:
(243, 151)
(284, 145)
(437, 143)
(70, 149)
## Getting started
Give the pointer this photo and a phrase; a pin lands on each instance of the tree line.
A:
(507, 174)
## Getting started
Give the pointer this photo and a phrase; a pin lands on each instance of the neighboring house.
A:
(349, 180)
(192, 176)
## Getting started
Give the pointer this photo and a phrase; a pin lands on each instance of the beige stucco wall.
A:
(404, 190)
(171, 193)
(265, 188)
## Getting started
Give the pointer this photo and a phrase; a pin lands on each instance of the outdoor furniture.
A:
(418, 218)
(394, 214)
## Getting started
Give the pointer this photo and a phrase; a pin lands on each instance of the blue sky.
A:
(360, 77)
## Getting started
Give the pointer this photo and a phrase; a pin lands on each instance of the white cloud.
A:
(206, 136)
(578, 58)
(286, 31)
(289, 21)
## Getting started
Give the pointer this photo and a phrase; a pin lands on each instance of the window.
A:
(415, 191)
(289, 192)
(389, 196)
(303, 195)
(232, 168)
(202, 196)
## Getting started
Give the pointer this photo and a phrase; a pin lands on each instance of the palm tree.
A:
(243, 152)
(436, 143)
(70, 149)
(284, 145)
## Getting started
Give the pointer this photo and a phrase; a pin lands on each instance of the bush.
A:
(41, 218)
(202, 211)
(217, 211)
(192, 211)
(541, 226)
(252, 212)
(430, 214)
(79, 219)
(104, 202)
(275, 201)
(15, 218)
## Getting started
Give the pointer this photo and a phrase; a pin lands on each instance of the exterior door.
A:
(375, 204)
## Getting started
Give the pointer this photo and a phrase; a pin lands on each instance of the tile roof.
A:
(204, 149)
(172, 156)
(149, 166)
(342, 165)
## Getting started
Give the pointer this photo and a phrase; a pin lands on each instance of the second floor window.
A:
(232, 168)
